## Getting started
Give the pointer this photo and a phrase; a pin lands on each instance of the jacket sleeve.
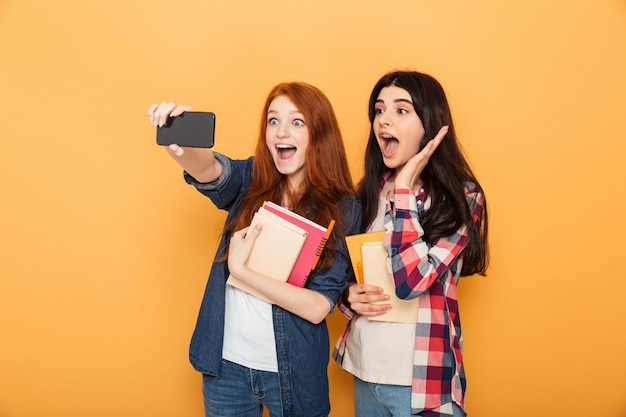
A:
(230, 186)
(332, 282)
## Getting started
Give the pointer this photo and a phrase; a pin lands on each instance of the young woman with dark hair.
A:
(252, 353)
(419, 187)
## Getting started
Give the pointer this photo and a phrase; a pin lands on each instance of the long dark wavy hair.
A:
(327, 178)
(444, 176)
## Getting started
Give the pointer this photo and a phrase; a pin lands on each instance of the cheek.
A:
(304, 141)
(268, 141)
(418, 136)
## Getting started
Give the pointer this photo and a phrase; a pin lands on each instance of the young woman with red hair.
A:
(254, 354)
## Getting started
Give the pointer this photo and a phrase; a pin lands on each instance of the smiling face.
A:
(398, 129)
(287, 138)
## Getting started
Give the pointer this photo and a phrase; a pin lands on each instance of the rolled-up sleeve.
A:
(232, 183)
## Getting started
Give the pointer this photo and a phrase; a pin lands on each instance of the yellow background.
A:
(105, 251)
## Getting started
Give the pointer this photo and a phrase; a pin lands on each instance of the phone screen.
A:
(190, 129)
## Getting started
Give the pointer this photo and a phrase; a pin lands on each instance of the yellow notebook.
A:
(275, 251)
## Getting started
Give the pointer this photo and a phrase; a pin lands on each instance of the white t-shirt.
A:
(249, 331)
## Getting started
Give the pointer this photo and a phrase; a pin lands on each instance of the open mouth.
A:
(285, 151)
(389, 144)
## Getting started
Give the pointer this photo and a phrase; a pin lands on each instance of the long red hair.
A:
(327, 176)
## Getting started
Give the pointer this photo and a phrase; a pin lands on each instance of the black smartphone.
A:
(193, 129)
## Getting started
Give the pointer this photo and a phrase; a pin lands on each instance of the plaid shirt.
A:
(430, 272)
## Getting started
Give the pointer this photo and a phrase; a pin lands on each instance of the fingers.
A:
(248, 233)
(158, 113)
(414, 167)
(241, 243)
(176, 150)
(440, 135)
(368, 300)
(370, 308)
(434, 142)
(253, 233)
(151, 111)
(178, 110)
(362, 293)
(358, 289)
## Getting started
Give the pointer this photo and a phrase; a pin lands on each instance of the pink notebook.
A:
(313, 245)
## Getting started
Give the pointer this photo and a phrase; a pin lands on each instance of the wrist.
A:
(345, 295)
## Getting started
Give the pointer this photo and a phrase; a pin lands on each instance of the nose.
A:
(283, 130)
(383, 119)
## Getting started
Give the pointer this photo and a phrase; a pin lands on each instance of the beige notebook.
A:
(275, 251)
(376, 272)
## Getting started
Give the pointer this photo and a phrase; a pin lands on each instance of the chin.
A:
(391, 164)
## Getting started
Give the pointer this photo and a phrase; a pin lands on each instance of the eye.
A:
(378, 111)
(298, 122)
(402, 111)
(272, 121)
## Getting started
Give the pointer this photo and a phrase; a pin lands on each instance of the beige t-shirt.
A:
(380, 352)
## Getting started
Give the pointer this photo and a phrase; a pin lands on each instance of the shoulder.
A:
(349, 202)
(474, 196)
(470, 187)
(351, 212)
(472, 190)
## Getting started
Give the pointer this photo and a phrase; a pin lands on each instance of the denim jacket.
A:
(302, 348)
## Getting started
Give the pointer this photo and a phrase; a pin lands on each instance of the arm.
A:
(318, 299)
(416, 263)
(200, 163)
(308, 304)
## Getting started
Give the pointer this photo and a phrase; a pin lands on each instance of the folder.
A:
(275, 251)
(370, 261)
(354, 243)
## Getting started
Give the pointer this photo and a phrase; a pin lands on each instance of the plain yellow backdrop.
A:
(105, 251)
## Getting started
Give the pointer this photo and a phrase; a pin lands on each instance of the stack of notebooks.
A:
(287, 249)
(371, 265)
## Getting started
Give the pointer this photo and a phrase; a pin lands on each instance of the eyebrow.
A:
(292, 112)
(397, 100)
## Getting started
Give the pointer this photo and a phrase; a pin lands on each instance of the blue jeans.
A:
(382, 400)
(242, 392)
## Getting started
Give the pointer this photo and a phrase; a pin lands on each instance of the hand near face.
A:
(411, 171)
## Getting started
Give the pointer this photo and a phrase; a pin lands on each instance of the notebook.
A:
(275, 251)
(377, 272)
(316, 239)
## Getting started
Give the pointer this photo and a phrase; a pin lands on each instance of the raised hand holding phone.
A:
(158, 113)
(187, 138)
(181, 126)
